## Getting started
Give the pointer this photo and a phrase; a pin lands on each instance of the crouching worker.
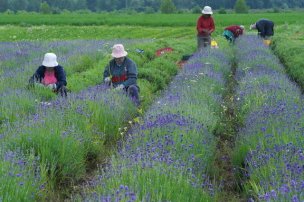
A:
(50, 75)
(121, 73)
(232, 32)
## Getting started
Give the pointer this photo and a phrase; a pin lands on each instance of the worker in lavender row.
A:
(121, 73)
(205, 26)
(232, 32)
(264, 27)
(50, 75)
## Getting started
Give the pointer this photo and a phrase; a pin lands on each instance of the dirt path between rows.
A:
(226, 131)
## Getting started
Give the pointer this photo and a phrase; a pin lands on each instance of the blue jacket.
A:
(265, 27)
(125, 74)
(59, 74)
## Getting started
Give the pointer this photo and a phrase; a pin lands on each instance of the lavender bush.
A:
(270, 145)
(21, 178)
(168, 155)
(63, 133)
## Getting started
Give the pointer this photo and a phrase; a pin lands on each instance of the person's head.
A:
(253, 26)
(207, 11)
(50, 60)
(119, 53)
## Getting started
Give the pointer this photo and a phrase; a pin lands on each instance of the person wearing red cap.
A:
(121, 73)
(205, 26)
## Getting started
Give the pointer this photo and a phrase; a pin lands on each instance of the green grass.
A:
(149, 20)
(68, 32)
(109, 26)
(289, 46)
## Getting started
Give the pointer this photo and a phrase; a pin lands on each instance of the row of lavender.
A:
(52, 142)
(62, 135)
(168, 155)
(270, 144)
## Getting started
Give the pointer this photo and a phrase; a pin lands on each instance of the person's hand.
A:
(209, 32)
(120, 87)
(52, 86)
(107, 80)
(206, 31)
(40, 85)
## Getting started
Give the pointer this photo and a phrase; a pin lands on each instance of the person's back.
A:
(236, 30)
(265, 28)
(233, 31)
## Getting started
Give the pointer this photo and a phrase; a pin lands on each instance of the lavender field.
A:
(46, 140)
(271, 140)
(96, 145)
(170, 153)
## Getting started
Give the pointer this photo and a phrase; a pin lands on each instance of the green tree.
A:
(241, 6)
(167, 6)
(45, 8)
(17, 5)
(33, 5)
(3, 5)
(79, 5)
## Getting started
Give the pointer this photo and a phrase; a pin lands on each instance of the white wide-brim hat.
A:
(118, 51)
(207, 10)
(252, 26)
(50, 60)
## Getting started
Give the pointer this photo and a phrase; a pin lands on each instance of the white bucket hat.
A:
(118, 51)
(50, 60)
(242, 27)
(207, 10)
(253, 26)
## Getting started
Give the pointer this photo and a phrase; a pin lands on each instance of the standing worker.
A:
(232, 32)
(265, 29)
(205, 26)
(121, 73)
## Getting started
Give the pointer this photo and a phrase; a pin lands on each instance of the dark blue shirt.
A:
(265, 27)
(127, 68)
(59, 74)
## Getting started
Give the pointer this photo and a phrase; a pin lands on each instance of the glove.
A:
(107, 80)
(120, 87)
(52, 86)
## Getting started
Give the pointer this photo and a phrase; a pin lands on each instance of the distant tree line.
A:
(137, 5)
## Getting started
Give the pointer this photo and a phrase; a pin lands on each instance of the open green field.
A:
(150, 20)
(61, 159)
(106, 26)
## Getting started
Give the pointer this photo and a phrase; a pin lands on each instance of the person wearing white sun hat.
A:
(50, 74)
(205, 26)
(121, 73)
